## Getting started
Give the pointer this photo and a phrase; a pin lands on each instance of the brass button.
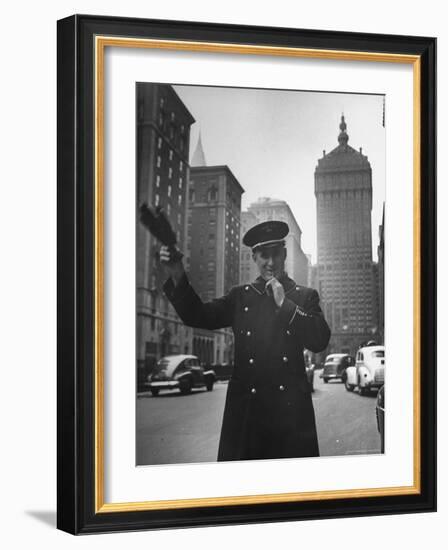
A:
(285, 359)
(248, 333)
(246, 288)
(297, 288)
(288, 332)
(246, 309)
(251, 361)
(253, 390)
(281, 388)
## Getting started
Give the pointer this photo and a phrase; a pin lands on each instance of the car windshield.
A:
(378, 353)
(333, 360)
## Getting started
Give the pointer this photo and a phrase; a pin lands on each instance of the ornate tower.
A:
(343, 190)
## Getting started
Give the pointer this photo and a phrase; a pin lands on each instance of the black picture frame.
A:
(77, 509)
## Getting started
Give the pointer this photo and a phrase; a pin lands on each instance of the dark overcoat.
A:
(269, 411)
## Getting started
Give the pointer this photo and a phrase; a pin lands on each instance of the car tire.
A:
(185, 386)
(362, 390)
(154, 392)
(348, 387)
(326, 380)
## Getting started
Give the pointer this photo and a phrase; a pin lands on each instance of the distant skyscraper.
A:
(265, 209)
(213, 248)
(248, 268)
(199, 156)
(163, 135)
(343, 189)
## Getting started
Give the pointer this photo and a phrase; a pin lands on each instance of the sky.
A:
(272, 139)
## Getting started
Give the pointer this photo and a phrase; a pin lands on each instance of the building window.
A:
(212, 194)
(191, 195)
(178, 218)
(157, 181)
(179, 200)
(181, 181)
(168, 209)
(162, 102)
(169, 190)
(170, 172)
(173, 116)
(159, 143)
(181, 166)
(157, 201)
(171, 154)
(159, 161)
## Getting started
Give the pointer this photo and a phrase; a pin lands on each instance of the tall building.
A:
(381, 281)
(248, 268)
(265, 209)
(343, 190)
(163, 136)
(213, 248)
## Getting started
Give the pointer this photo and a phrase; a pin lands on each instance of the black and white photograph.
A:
(260, 239)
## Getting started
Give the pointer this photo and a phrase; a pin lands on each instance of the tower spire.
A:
(343, 136)
(198, 156)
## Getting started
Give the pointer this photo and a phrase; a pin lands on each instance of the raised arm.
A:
(188, 305)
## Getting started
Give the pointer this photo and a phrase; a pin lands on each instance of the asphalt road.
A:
(174, 428)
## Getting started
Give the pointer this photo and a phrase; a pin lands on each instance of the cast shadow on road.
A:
(48, 517)
(371, 393)
(172, 394)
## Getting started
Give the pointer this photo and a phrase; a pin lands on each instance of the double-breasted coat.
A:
(268, 411)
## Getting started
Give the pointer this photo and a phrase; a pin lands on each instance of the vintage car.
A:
(335, 365)
(181, 372)
(368, 372)
(379, 411)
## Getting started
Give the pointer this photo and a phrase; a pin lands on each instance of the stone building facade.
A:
(163, 140)
(213, 248)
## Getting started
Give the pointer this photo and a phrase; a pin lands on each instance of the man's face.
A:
(270, 261)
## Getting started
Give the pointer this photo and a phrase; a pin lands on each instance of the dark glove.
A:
(159, 226)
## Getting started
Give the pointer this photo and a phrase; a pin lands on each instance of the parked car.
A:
(379, 410)
(368, 371)
(335, 365)
(182, 372)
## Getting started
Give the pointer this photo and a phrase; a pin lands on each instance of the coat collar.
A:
(260, 284)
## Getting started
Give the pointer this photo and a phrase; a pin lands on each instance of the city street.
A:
(174, 428)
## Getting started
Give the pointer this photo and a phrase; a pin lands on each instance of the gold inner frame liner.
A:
(101, 42)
